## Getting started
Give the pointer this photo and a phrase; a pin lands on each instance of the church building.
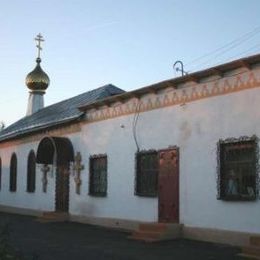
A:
(182, 151)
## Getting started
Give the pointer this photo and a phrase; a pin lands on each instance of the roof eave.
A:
(38, 129)
(195, 77)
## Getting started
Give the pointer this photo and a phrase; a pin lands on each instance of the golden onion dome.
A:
(37, 80)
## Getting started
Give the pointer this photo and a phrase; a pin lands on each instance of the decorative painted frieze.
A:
(172, 96)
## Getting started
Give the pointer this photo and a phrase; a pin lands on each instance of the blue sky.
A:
(130, 44)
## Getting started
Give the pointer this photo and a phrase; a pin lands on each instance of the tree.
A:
(2, 125)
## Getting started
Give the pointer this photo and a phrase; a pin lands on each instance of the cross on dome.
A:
(39, 39)
(37, 80)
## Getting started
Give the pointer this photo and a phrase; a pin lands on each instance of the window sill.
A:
(146, 195)
(238, 198)
(102, 195)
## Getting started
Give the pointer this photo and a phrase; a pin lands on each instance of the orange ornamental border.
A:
(178, 96)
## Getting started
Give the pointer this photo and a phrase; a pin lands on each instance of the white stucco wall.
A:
(206, 122)
(21, 198)
(195, 127)
(107, 137)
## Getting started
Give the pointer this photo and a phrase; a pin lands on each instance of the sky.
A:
(128, 43)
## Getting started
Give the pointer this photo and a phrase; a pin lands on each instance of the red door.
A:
(169, 185)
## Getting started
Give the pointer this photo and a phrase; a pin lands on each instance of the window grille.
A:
(31, 166)
(147, 168)
(238, 169)
(98, 175)
(13, 173)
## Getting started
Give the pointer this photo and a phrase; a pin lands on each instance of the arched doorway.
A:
(59, 152)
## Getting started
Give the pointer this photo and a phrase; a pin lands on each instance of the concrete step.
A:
(53, 217)
(255, 240)
(153, 232)
(251, 250)
(147, 234)
(156, 227)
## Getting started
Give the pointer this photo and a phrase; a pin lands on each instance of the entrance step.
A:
(253, 250)
(154, 232)
(53, 216)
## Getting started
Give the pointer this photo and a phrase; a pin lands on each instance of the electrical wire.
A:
(138, 106)
(255, 48)
(218, 55)
(227, 47)
(248, 34)
(134, 125)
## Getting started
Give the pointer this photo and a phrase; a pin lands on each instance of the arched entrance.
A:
(59, 152)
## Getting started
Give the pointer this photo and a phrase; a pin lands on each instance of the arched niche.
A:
(55, 150)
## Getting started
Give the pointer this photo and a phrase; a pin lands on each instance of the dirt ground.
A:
(67, 240)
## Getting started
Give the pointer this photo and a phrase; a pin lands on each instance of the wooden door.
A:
(62, 188)
(169, 185)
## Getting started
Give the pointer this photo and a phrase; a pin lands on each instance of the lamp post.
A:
(179, 68)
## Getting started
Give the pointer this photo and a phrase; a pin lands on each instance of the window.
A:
(0, 173)
(31, 165)
(98, 175)
(147, 168)
(238, 164)
(13, 173)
